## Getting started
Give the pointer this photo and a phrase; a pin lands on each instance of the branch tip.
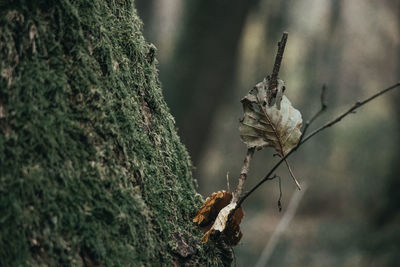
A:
(324, 105)
(278, 61)
(302, 141)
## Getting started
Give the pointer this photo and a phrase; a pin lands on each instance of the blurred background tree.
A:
(198, 89)
(212, 52)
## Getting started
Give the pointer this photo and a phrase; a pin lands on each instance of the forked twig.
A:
(350, 110)
(323, 127)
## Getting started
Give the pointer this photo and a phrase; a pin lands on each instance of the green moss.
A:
(91, 168)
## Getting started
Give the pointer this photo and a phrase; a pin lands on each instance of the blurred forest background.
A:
(212, 52)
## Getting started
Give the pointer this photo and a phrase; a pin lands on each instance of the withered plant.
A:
(269, 120)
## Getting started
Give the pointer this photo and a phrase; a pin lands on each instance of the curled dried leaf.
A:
(227, 223)
(266, 124)
(218, 217)
(208, 212)
(232, 231)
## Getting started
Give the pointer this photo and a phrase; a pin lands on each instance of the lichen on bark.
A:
(92, 171)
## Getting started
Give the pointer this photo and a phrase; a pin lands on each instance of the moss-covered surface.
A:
(91, 169)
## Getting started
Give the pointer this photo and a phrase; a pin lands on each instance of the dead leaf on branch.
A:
(208, 212)
(218, 216)
(266, 124)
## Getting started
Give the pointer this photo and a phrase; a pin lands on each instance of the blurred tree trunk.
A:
(383, 239)
(391, 211)
(276, 21)
(91, 169)
(394, 182)
(145, 9)
(326, 48)
(202, 72)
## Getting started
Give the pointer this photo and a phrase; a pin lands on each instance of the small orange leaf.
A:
(217, 215)
(207, 213)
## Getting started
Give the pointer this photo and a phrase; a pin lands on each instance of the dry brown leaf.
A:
(266, 124)
(227, 223)
(232, 231)
(218, 216)
(207, 213)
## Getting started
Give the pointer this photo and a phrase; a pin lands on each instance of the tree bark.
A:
(92, 171)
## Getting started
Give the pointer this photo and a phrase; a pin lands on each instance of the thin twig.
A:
(328, 124)
(280, 229)
(228, 187)
(292, 175)
(243, 174)
(278, 60)
(250, 151)
(280, 194)
(272, 90)
(349, 111)
(324, 106)
(280, 191)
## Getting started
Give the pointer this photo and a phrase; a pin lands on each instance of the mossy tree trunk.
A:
(91, 169)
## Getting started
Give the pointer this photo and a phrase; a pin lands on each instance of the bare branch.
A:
(250, 151)
(243, 174)
(349, 111)
(278, 61)
(326, 125)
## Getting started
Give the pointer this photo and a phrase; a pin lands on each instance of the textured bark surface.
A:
(91, 169)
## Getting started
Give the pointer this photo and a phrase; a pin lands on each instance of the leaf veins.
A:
(267, 124)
